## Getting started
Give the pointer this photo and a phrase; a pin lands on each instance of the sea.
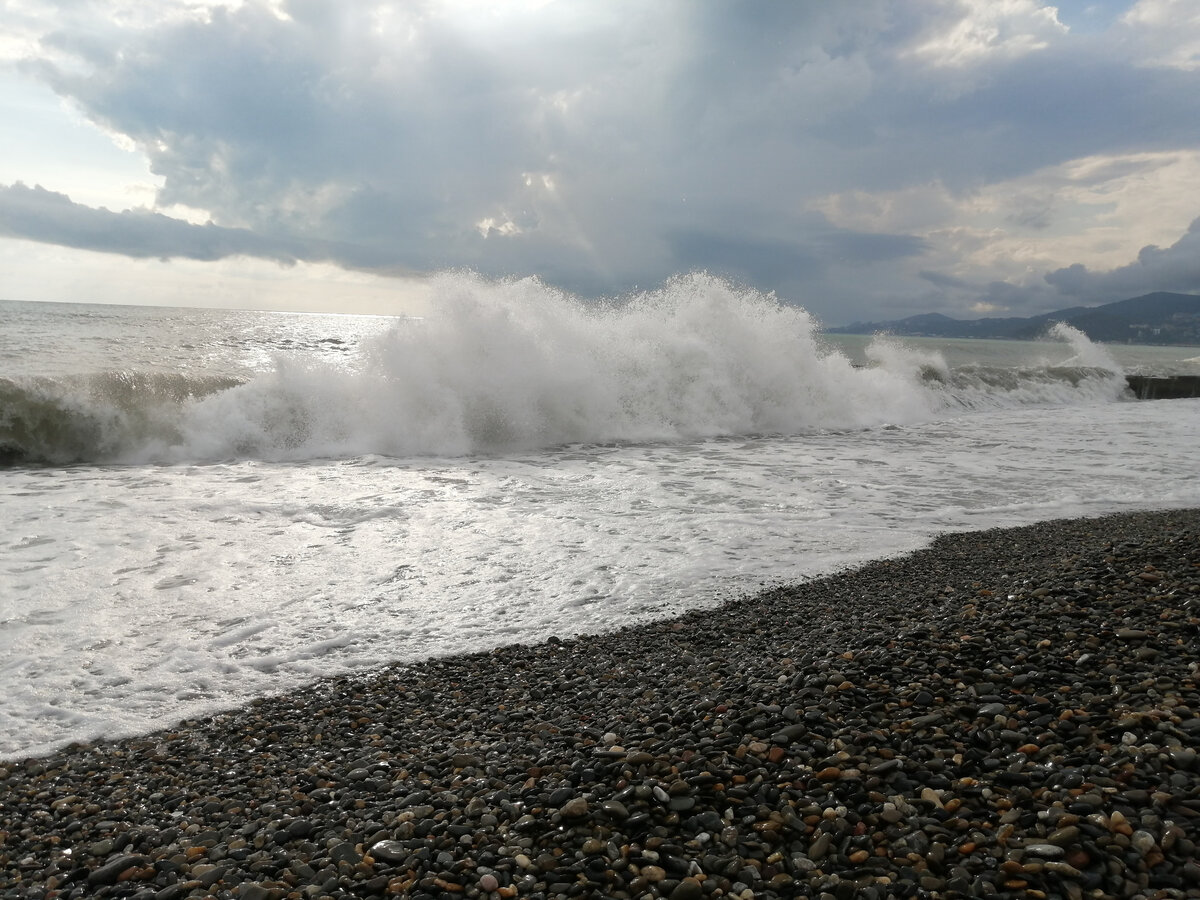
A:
(202, 506)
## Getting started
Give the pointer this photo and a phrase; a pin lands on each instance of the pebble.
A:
(389, 851)
(576, 808)
(688, 889)
(1007, 713)
(1046, 851)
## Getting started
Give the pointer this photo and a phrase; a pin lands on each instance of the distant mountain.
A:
(1159, 318)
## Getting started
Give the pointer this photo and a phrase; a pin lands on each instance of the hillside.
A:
(1158, 318)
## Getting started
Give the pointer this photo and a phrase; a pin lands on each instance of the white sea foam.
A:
(131, 596)
(516, 365)
(515, 466)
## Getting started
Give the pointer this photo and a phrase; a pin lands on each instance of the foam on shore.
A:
(1005, 711)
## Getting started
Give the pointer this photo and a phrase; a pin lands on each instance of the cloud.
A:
(858, 247)
(943, 281)
(978, 29)
(37, 214)
(1165, 32)
(842, 154)
(994, 244)
(1175, 268)
(754, 261)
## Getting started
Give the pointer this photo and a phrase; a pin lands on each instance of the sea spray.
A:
(514, 365)
(1086, 352)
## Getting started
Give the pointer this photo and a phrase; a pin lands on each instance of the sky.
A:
(867, 160)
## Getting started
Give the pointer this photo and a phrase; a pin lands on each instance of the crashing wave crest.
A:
(516, 365)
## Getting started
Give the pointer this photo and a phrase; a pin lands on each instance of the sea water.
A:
(202, 506)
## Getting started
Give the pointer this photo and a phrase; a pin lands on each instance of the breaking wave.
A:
(516, 365)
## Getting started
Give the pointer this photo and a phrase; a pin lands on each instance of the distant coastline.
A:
(1160, 318)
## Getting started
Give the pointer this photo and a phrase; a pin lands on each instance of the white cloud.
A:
(972, 31)
(491, 227)
(1096, 211)
(1165, 32)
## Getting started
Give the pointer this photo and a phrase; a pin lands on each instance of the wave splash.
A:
(96, 418)
(516, 365)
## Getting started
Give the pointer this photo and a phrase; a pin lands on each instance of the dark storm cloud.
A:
(937, 279)
(856, 247)
(745, 259)
(1045, 111)
(39, 215)
(963, 299)
(774, 262)
(1175, 268)
(1013, 298)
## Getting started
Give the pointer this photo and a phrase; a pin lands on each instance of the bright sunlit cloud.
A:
(978, 29)
(1097, 210)
(1166, 31)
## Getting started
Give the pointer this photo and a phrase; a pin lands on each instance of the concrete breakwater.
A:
(1164, 387)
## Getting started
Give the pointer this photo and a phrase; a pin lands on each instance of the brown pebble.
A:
(575, 808)
(1062, 868)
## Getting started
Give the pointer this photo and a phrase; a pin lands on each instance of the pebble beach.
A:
(1010, 713)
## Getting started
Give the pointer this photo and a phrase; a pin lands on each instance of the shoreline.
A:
(1007, 712)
